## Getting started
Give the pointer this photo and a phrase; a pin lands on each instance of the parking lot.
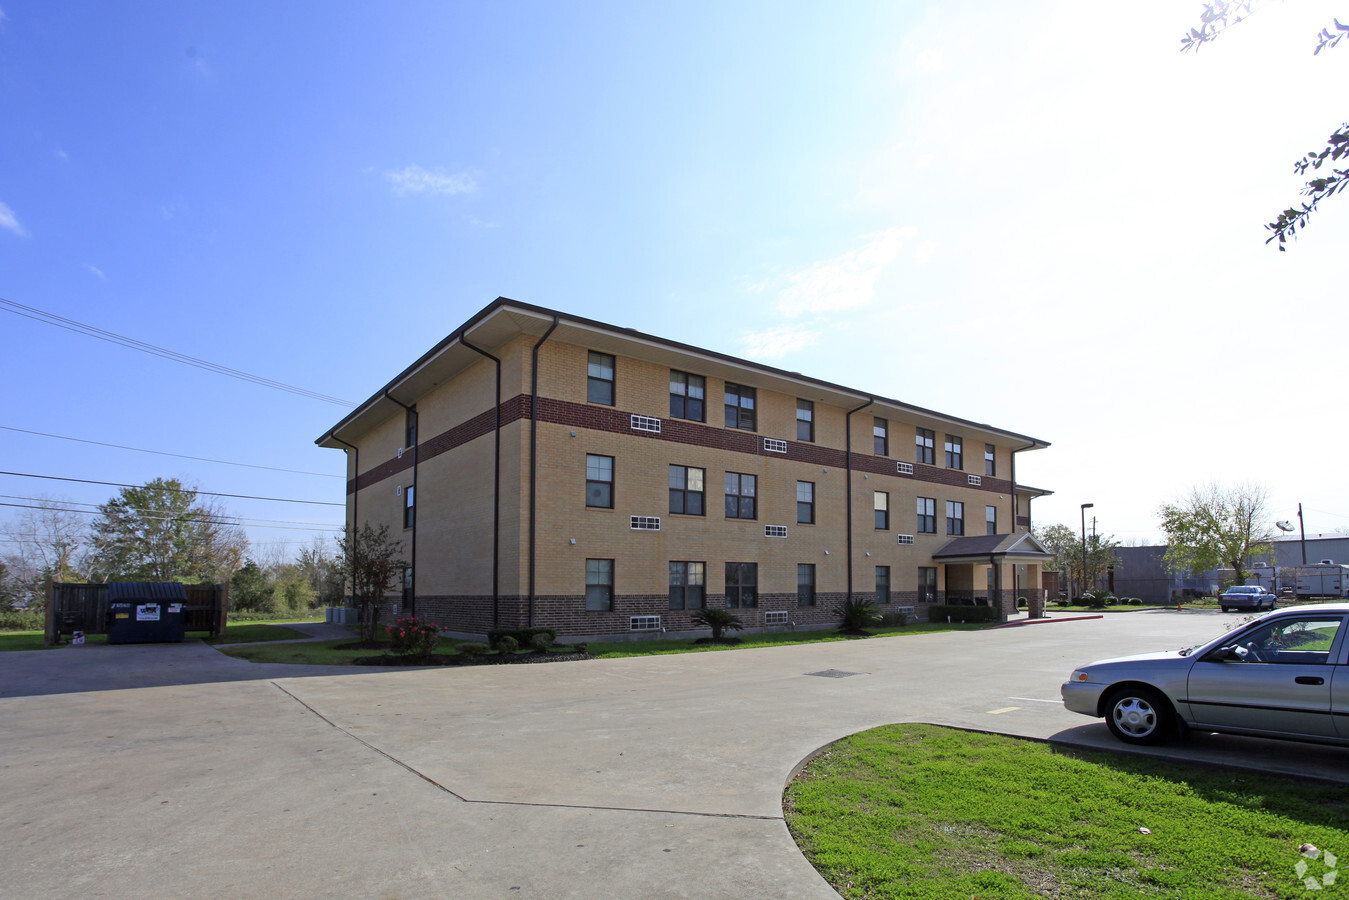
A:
(172, 770)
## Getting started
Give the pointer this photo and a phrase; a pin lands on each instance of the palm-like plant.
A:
(857, 613)
(718, 620)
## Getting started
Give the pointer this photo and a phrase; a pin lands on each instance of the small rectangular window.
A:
(686, 584)
(409, 506)
(927, 515)
(805, 420)
(805, 502)
(410, 429)
(805, 584)
(990, 460)
(954, 452)
(880, 437)
(741, 495)
(686, 490)
(740, 412)
(927, 584)
(600, 378)
(687, 396)
(991, 517)
(599, 585)
(599, 481)
(742, 585)
(882, 584)
(923, 441)
(407, 585)
(881, 506)
(955, 517)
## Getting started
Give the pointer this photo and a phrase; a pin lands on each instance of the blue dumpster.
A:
(146, 612)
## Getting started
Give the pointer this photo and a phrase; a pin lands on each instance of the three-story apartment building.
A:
(546, 469)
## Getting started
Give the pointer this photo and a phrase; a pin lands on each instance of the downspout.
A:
(847, 432)
(534, 461)
(496, 488)
(412, 563)
(355, 499)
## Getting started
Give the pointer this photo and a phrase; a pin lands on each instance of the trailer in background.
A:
(1315, 580)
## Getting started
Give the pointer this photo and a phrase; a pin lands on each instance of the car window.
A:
(1301, 641)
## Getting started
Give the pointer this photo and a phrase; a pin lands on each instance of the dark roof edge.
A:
(503, 302)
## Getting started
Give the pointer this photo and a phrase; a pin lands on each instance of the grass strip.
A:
(253, 632)
(920, 811)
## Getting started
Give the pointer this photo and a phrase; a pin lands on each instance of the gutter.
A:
(534, 463)
(496, 487)
(847, 433)
(413, 562)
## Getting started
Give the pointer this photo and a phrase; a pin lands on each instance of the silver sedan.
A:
(1284, 675)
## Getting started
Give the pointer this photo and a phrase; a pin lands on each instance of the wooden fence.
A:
(84, 607)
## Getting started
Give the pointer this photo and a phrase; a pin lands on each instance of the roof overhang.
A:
(1000, 548)
(504, 320)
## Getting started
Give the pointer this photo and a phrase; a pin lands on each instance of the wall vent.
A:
(773, 445)
(904, 468)
(400, 452)
(905, 538)
(645, 523)
(646, 423)
(398, 490)
(643, 623)
(974, 479)
(775, 617)
(775, 531)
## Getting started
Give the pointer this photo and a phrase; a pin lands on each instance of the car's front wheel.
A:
(1139, 715)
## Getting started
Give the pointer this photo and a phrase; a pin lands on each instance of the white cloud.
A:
(61, 154)
(96, 270)
(415, 180)
(10, 221)
(844, 282)
(923, 253)
(775, 343)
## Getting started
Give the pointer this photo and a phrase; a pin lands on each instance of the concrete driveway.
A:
(657, 777)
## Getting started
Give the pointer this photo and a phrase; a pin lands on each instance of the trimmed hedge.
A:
(938, 613)
(524, 637)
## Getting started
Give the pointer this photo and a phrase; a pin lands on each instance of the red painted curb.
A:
(1046, 621)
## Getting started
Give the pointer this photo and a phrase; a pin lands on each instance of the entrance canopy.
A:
(993, 548)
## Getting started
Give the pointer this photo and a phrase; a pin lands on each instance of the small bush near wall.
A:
(524, 637)
(938, 613)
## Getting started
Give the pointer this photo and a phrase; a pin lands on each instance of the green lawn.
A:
(919, 811)
(252, 632)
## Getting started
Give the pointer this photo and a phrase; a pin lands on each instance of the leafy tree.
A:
(371, 563)
(159, 532)
(9, 589)
(321, 570)
(1220, 15)
(1217, 526)
(251, 590)
(1065, 542)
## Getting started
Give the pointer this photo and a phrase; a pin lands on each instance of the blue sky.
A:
(1042, 217)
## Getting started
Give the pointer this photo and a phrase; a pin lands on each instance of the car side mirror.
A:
(1225, 654)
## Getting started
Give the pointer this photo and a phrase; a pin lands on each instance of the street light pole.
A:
(1085, 507)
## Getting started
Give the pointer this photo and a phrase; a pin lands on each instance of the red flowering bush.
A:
(413, 637)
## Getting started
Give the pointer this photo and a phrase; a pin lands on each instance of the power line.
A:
(38, 315)
(216, 518)
(239, 524)
(179, 490)
(223, 462)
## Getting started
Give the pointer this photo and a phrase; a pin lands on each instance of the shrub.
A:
(412, 636)
(582, 648)
(857, 613)
(1097, 598)
(894, 618)
(22, 620)
(524, 637)
(474, 648)
(939, 612)
(1020, 602)
(541, 642)
(717, 619)
(506, 644)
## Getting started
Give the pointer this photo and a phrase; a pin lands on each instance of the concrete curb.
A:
(1047, 621)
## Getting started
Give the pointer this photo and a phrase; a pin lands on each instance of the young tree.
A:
(50, 542)
(159, 532)
(251, 590)
(371, 563)
(1065, 542)
(1217, 525)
